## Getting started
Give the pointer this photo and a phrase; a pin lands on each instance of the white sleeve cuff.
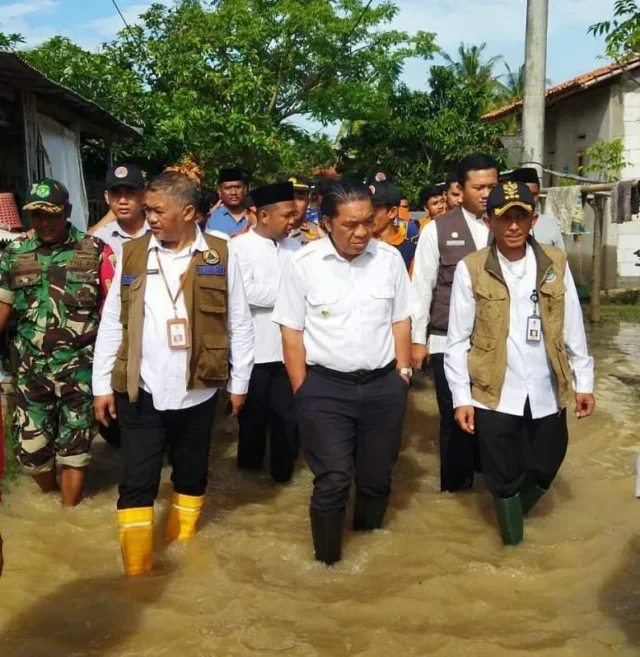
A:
(101, 388)
(289, 323)
(461, 396)
(238, 386)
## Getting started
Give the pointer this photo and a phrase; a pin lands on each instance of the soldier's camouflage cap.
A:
(48, 195)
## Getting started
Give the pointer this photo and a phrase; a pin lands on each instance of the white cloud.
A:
(14, 18)
(109, 26)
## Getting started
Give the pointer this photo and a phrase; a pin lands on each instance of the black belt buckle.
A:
(362, 376)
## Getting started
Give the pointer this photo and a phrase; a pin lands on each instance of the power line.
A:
(124, 20)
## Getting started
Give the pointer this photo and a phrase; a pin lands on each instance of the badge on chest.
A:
(534, 323)
(178, 334)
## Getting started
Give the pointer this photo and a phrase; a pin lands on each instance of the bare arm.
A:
(295, 356)
(5, 313)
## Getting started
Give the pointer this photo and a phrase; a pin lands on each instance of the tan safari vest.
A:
(205, 296)
(487, 359)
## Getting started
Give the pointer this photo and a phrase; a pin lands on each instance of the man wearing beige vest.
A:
(516, 343)
(176, 327)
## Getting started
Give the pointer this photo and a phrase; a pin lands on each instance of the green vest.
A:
(205, 297)
(487, 358)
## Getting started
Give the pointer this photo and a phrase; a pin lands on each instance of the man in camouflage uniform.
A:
(51, 282)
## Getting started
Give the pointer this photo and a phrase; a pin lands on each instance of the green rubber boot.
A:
(530, 495)
(510, 519)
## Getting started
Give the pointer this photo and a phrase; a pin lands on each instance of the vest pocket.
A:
(563, 357)
(481, 360)
(213, 360)
(490, 303)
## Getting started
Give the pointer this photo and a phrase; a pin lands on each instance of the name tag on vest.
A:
(127, 281)
(151, 272)
(210, 270)
(456, 242)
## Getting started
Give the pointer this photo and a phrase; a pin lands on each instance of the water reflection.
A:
(436, 581)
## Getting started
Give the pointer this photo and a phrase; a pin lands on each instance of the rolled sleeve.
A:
(241, 336)
(290, 305)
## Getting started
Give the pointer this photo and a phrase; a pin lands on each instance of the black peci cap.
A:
(125, 175)
(385, 193)
(234, 174)
(270, 194)
(525, 175)
(508, 195)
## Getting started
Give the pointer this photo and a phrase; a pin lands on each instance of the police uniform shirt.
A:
(260, 262)
(113, 235)
(345, 308)
(425, 276)
(528, 371)
(163, 371)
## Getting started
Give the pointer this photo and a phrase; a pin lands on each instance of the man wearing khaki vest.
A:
(516, 343)
(176, 327)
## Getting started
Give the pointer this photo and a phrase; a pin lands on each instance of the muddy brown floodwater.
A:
(436, 581)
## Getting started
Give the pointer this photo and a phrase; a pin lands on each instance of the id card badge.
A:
(178, 334)
(534, 329)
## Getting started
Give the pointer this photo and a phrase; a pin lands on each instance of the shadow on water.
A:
(106, 468)
(620, 596)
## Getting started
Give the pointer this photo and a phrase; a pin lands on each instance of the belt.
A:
(359, 377)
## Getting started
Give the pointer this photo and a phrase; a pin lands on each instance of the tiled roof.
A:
(567, 88)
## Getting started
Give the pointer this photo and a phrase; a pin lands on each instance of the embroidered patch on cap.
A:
(121, 172)
(211, 257)
(210, 270)
(43, 191)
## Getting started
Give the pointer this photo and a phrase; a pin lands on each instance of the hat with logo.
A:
(507, 195)
(385, 193)
(380, 175)
(270, 194)
(300, 183)
(48, 195)
(125, 175)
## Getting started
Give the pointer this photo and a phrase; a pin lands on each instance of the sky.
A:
(499, 23)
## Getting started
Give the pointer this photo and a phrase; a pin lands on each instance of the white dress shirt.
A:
(163, 371)
(261, 261)
(547, 231)
(345, 308)
(426, 264)
(528, 371)
(114, 236)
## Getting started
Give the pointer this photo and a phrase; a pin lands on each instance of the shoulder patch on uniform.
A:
(211, 270)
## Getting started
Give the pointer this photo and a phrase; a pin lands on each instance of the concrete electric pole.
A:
(535, 74)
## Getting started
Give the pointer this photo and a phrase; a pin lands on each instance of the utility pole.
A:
(535, 74)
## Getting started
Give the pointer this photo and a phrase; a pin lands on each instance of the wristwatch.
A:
(406, 371)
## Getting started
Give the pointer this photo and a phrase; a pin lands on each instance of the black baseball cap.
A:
(48, 195)
(385, 193)
(510, 194)
(125, 175)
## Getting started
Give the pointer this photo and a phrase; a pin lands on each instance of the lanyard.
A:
(183, 280)
(534, 300)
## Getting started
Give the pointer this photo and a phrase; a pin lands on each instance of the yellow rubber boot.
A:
(136, 539)
(183, 516)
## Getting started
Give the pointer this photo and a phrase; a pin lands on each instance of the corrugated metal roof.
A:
(569, 87)
(17, 73)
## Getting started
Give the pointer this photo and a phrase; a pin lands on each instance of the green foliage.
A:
(423, 135)
(606, 160)
(10, 41)
(222, 80)
(622, 34)
(471, 67)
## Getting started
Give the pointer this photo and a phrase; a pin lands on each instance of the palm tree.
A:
(471, 67)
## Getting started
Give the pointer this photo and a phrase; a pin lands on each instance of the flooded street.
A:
(436, 581)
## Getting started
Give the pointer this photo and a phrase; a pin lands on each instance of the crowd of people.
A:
(309, 305)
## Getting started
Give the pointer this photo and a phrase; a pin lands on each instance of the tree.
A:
(222, 80)
(471, 66)
(10, 41)
(622, 34)
(423, 135)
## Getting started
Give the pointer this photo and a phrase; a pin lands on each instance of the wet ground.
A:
(436, 581)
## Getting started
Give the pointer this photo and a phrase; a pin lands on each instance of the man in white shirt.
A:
(261, 255)
(545, 227)
(124, 194)
(516, 344)
(344, 310)
(443, 243)
(175, 327)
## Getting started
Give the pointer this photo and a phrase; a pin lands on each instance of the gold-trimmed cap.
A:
(510, 194)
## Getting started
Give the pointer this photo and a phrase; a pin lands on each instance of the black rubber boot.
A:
(326, 529)
(530, 495)
(368, 512)
(510, 519)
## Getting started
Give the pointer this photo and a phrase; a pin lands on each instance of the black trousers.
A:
(514, 448)
(111, 434)
(148, 433)
(350, 430)
(269, 409)
(457, 448)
